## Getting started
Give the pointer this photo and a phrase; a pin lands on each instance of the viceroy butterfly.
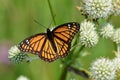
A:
(53, 44)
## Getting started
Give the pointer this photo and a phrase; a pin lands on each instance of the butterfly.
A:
(53, 44)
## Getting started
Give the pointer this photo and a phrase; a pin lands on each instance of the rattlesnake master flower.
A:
(116, 62)
(22, 78)
(107, 30)
(82, 10)
(16, 56)
(97, 8)
(102, 69)
(116, 36)
(116, 7)
(88, 35)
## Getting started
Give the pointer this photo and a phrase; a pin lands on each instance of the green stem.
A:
(118, 48)
(77, 55)
(51, 11)
(81, 72)
(64, 73)
(109, 18)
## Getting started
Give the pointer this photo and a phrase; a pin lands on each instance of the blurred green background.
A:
(17, 22)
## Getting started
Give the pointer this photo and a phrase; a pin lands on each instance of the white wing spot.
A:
(69, 26)
(27, 41)
(21, 42)
(73, 23)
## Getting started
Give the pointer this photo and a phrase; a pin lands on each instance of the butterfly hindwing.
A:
(48, 53)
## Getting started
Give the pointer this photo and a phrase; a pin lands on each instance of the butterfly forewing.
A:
(41, 45)
(32, 44)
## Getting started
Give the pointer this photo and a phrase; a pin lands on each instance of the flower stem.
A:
(64, 73)
(51, 11)
(82, 73)
(77, 55)
(118, 48)
(67, 66)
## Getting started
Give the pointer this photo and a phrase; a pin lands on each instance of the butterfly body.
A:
(50, 36)
(53, 44)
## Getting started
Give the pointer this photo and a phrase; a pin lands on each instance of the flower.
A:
(116, 62)
(4, 47)
(107, 30)
(22, 78)
(102, 69)
(82, 10)
(88, 35)
(16, 56)
(97, 8)
(116, 7)
(116, 36)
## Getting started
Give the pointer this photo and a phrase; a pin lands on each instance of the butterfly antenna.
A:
(40, 24)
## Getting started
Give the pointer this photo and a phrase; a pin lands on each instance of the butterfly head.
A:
(49, 34)
(48, 30)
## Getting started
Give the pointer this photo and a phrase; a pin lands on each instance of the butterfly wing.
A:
(63, 36)
(40, 45)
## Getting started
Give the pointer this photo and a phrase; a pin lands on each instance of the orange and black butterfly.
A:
(53, 44)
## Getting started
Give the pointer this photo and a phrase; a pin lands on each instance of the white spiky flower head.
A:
(88, 35)
(107, 30)
(116, 36)
(116, 7)
(22, 78)
(116, 62)
(98, 8)
(16, 56)
(102, 69)
(82, 10)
